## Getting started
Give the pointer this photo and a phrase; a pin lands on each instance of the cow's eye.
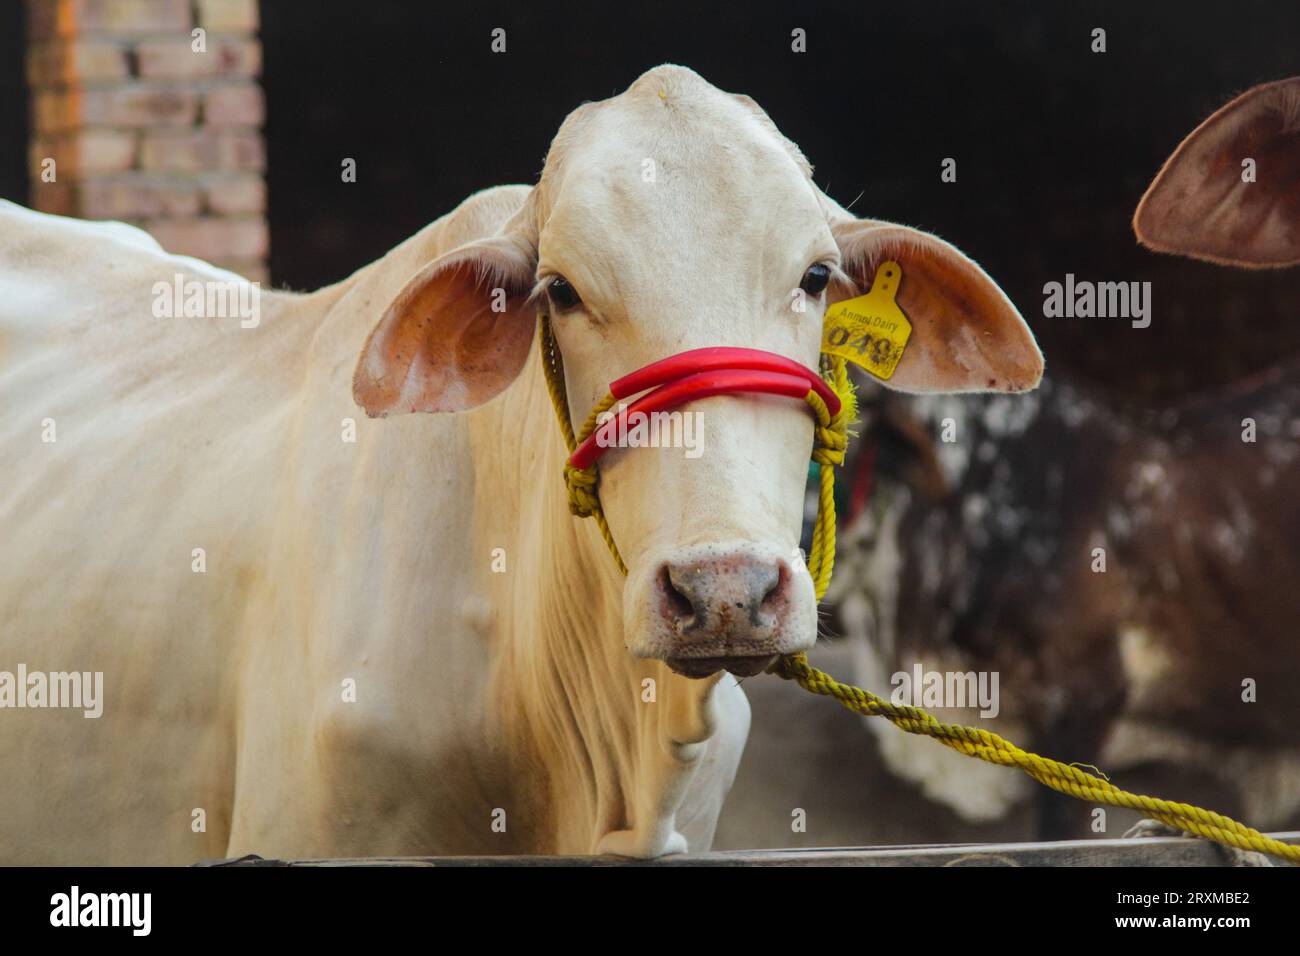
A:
(563, 295)
(816, 279)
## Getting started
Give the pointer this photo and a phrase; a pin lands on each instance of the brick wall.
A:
(144, 128)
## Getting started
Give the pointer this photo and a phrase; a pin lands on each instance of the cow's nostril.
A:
(676, 600)
(774, 587)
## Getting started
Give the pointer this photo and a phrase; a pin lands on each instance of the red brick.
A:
(211, 237)
(228, 16)
(147, 130)
(139, 104)
(235, 194)
(87, 151)
(58, 198)
(48, 18)
(134, 104)
(175, 58)
(202, 150)
(64, 62)
(53, 110)
(138, 195)
(240, 105)
(124, 16)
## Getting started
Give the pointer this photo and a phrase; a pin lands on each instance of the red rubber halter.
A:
(701, 373)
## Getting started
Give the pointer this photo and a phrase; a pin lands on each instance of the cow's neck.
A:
(616, 738)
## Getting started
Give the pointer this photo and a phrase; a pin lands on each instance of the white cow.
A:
(345, 669)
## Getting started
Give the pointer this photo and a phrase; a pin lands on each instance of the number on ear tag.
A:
(870, 331)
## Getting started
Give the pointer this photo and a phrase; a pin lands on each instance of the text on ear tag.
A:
(870, 331)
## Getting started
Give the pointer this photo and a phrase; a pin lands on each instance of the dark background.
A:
(1054, 144)
(13, 102)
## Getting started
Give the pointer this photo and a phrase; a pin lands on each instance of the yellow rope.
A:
(830, 443)
(1052, 773)
(581, 482)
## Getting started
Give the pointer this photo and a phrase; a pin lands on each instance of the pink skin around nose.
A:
(726, 611)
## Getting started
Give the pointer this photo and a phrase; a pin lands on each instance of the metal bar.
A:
(1157, 851)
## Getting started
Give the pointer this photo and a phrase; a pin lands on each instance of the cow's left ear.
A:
(459, 331)
(1209, 202)
(966, 334)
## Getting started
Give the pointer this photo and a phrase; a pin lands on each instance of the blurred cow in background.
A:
(985, 554)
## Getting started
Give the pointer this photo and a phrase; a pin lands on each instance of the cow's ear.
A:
(966, 335)
(1202, 202)
(457, 334)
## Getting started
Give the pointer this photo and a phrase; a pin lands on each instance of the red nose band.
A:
(703, 373)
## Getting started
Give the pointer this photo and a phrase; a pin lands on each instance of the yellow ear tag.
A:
(870, 331)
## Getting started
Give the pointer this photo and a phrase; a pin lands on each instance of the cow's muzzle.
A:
(732, 608)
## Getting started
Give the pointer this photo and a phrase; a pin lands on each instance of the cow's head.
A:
(672, 217)
(1230, 193)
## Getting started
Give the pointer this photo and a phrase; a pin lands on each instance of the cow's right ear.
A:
(457, 334)
(1202, 204)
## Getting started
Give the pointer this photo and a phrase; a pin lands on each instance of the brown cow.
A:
(1177, 665)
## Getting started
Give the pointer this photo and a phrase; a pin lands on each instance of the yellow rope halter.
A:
(831, 440)
(830, 443)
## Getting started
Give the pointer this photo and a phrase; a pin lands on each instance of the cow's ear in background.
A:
(966, 334)
(1201, 206)
(456, 335)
